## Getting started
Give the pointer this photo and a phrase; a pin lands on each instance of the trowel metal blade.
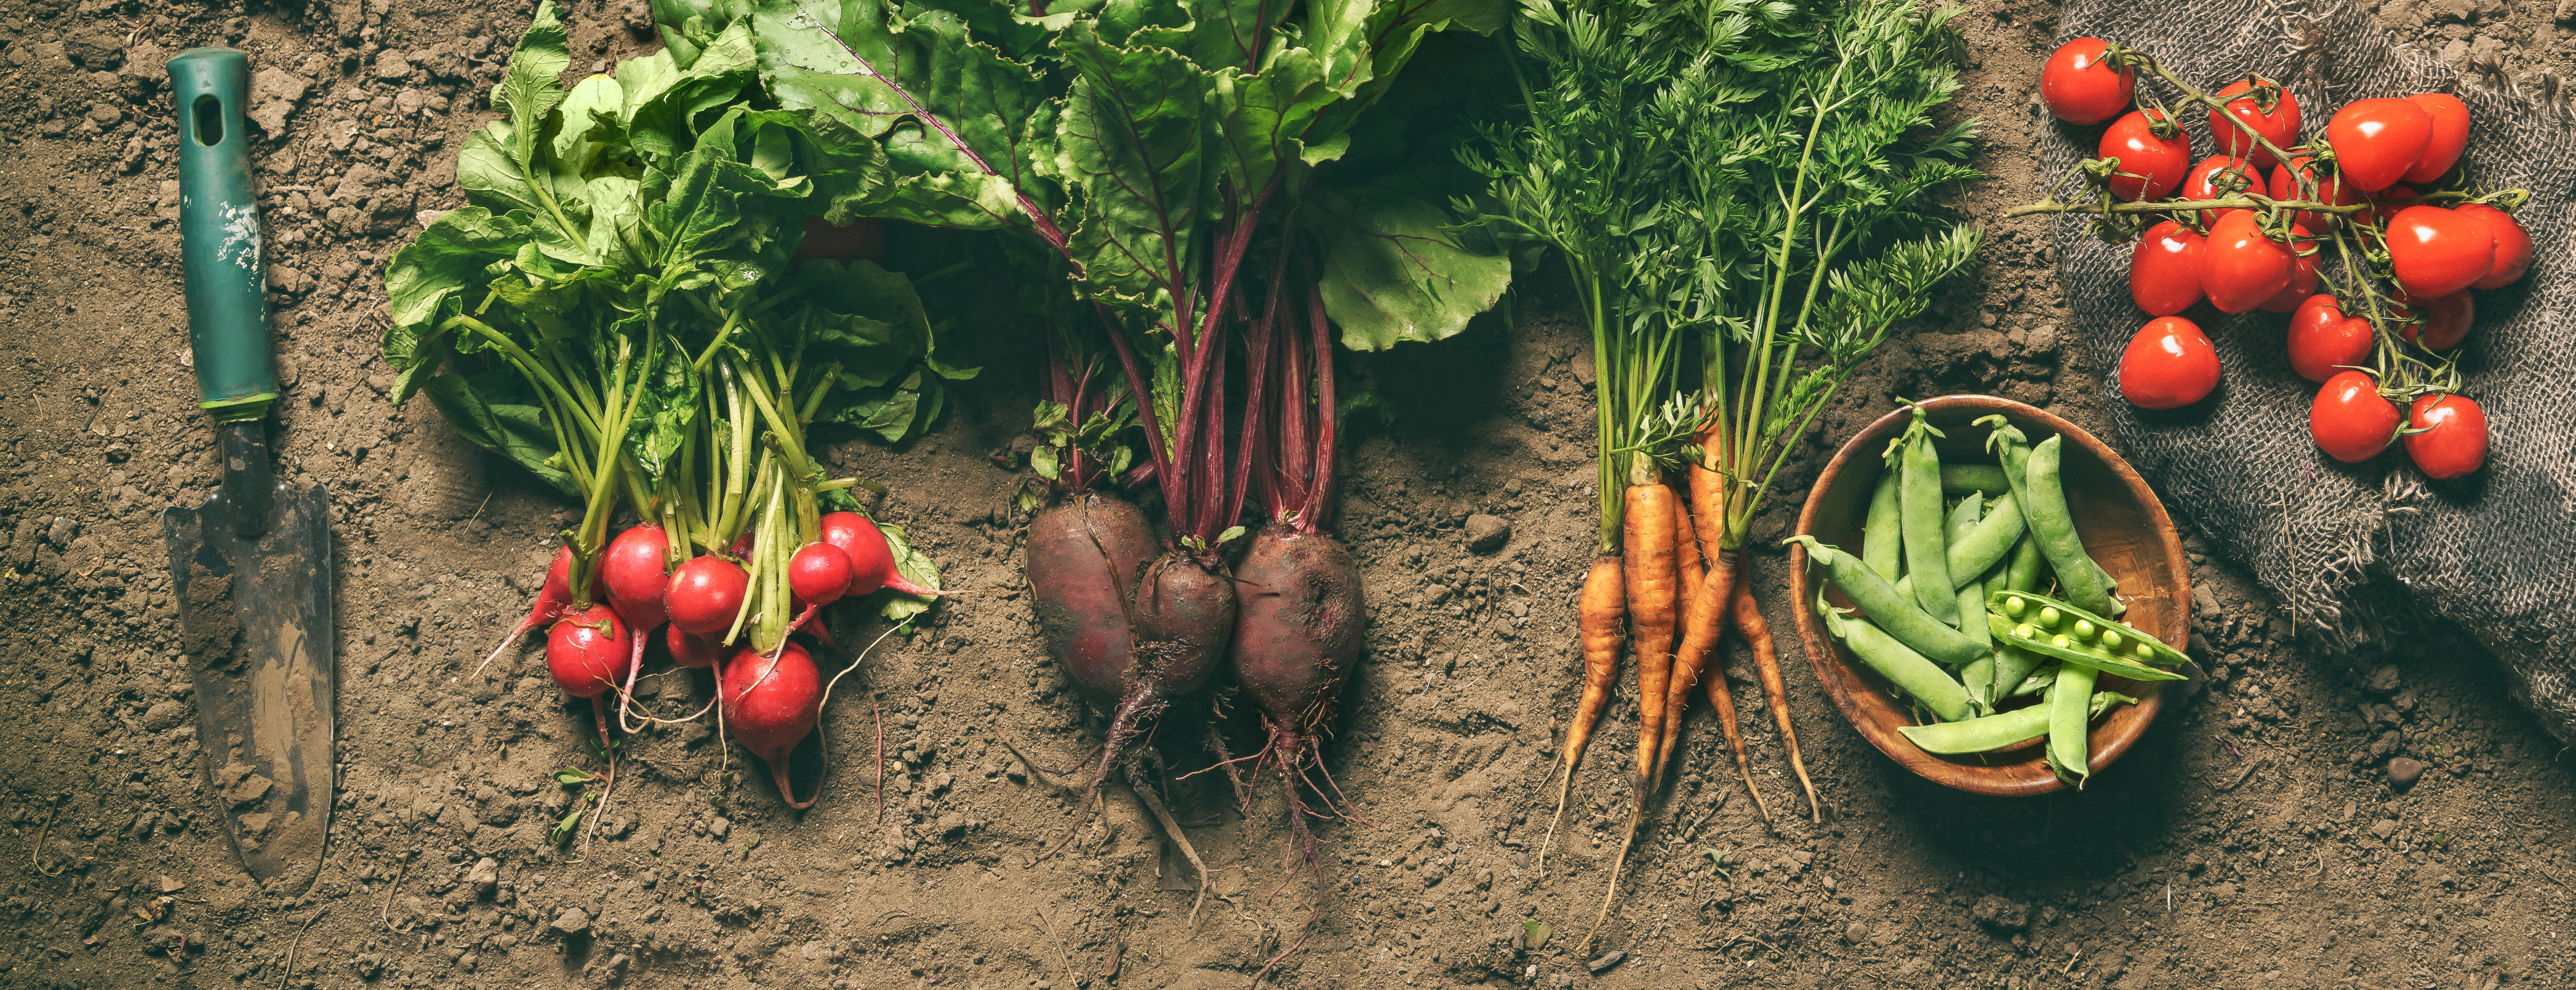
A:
(255, 617)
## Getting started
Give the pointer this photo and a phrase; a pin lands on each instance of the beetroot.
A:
(1084, 554)
(1302, 626)
(705, 595)
(771, 704)
(871, 557)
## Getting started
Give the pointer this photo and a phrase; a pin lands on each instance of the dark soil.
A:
(2255, 839)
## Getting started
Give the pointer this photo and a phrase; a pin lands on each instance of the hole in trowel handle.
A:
(209, 112)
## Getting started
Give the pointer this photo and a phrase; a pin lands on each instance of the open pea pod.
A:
(2064, 645)
(2115, 637)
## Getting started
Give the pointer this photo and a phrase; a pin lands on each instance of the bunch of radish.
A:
(2369, 234)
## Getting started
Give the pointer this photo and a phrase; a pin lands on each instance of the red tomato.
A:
(2377, 213)
(2376, 141)
(2168, 365)
(2303, 273)
(2442, 321)
(2350, 420)
(2220, 177)
(2155, 164)
(2322, 338)
(2281, 126)
(2436, 252)
(862, 238)
(2164, 274)
(2242, 269)
(2512, 245)
(2454, 437)
(2080, 88)
(2331, 188)
(2450, 136)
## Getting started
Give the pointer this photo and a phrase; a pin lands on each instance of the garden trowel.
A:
(251, 567)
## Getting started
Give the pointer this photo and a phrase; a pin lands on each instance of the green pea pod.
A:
(2112, 636)
(1879, 543)
(1918, 504)
(2009, 446)
(1970, 597)
(1987, 479)
(1979, 547)
(1919, 678)
(1890, 611)
(2038, 681)
(2022, 573)
(2068, 719)
(1993, 732)
(2054, 524)
(2065, 646)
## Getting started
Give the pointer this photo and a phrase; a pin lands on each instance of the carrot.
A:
(1651, 573)
(1766, 660)
(1705, 619)
(1686, 559)
(1601, 612)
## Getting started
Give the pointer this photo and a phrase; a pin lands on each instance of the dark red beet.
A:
(1181, 615)
(1303, 623)
(1084, 553)
(771, 704)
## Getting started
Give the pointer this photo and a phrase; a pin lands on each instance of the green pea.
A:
(2111, 639)
(2050, 617)
(2145, 651)
(2084, 629)
(2014, 607)
(2026, 631)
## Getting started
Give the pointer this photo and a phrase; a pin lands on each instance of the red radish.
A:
(635, 572)
(871, 557)
(689, 650)
(771, 704)
(550, 603)
(819, 574)
(705, 595)
(586, 650)
(631, 572)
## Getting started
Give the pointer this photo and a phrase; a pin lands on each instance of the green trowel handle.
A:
(219, 235)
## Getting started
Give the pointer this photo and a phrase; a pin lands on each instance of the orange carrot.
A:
(1602, 614)
(1756, 631)
(1705, 619)
(1686, 558)
(1652, 579)
(1720, 699)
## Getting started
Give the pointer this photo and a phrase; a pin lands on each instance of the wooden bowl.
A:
(2123, 526)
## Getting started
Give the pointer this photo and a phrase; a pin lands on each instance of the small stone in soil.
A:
(2403, 771)
(574, 921)
(1606, 963)
(2000, 915)
(1486, 534)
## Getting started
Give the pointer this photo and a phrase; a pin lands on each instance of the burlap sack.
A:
(2363, 553)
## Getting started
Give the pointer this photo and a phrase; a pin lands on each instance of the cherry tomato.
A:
(2439, 323)
(2453, 441)
(2450, 136)
(2220, 177)
(2436, 252)
(2349, 420)
(2242, 269)
(2155, 164)
(2080, 88)
(861, 238)
(2281, 126)
(2377, 212)
(2331, 188)
(2322, 338)
(2376, 141)
(2164, 274)
(2168, 365)
(2512, 245)
(2303, 273)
